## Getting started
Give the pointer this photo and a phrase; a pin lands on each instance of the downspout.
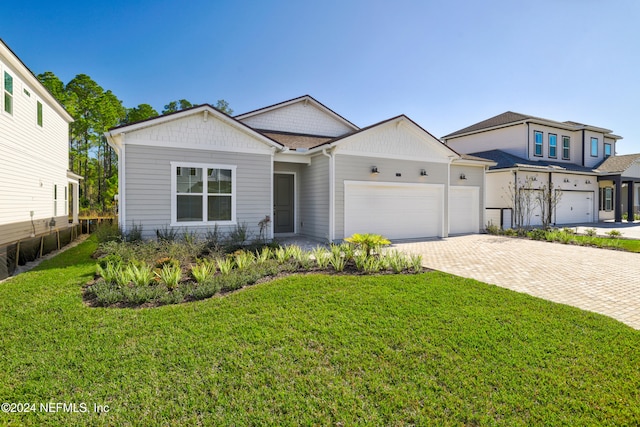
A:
(122, 200)
(332, 192)
(273, 213)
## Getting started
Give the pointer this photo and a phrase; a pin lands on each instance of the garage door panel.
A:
(464, 210)
(575, 207)
(396, 211)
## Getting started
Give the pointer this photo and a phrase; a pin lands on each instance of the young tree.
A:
(223, 106)
(547, 199)
(174, 106)
(521, 195)
(139, 113)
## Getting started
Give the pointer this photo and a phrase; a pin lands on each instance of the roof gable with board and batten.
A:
(201, 127)
(396, 138)
(303, 115)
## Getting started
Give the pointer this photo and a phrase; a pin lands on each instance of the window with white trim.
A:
(566, 147)
(606, 199)
(8, 93)
(537, 138)
(553, 145)
(594, 147)
(203, 193)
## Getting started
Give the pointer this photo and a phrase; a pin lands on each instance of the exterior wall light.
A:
(374, 170)
(423, 172)
(463, 176)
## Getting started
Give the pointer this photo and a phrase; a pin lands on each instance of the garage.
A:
(464, 210)
(394, 210)
(574, 207)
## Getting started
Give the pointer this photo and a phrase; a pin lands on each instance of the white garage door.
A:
(394, 210)
(574, 207)
(464, 208)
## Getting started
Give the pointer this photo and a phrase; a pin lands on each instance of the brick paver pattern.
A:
(599, 280)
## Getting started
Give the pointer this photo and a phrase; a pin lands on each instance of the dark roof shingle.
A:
(505, 160)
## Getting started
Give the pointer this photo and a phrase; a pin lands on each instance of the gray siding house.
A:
(308, 169)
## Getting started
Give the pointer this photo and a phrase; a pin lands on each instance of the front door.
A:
(283, 204)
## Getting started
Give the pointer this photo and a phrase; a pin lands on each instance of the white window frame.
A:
(537, 144)
(6, 92)
(174, 194)
(566, 139)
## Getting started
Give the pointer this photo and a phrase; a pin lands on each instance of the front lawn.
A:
(426, 349)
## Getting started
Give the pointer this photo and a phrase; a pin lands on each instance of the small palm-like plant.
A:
(109, 272)
(244, 259)
(416, 263)
(281, 255)
(397, 261)
(337, 261)
(225, 265)
(321, 255)
(367, 242)
(202, 271)
(140, 275)
(264, 255)
(170, 276)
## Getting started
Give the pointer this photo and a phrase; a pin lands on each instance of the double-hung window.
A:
(553, 145)
(8, 93)
(566, 147)
(606, 199)
(607, 150)
(203, 193)
(537, 138)
(594, 147)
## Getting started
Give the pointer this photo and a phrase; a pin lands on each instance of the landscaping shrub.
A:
(108, 232)
(368, 242)
(492, 229)
(613, 234)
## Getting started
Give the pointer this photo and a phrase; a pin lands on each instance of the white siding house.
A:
(34, 155)
(566, 156)
(307, 168)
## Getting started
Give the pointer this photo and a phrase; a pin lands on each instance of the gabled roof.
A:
(618, 163)
(197, 109)
(511, 118)
(506, 160)
(304, 98)
(30, 78)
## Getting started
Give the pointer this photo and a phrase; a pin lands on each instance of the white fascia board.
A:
(471, 162)
(28, 77)
(292, 157)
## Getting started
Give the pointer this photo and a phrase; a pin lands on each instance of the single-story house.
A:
(308, 169)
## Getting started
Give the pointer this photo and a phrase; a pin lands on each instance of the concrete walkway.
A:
(600, 280)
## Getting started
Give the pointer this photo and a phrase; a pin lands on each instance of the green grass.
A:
(427, 349)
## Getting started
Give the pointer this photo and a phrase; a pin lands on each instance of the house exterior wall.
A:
(148, 191)
(314, 199)
(511, 139)
(591, 161)
(299, 117)
(33, 159)
(358, 168)
(575, 146)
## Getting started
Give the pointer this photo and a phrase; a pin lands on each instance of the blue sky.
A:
(445, 64)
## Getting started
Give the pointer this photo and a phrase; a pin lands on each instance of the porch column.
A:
(630, 201)
(618, 200)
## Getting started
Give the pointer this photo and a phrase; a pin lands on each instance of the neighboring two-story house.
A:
(533, 153)
(34, 156)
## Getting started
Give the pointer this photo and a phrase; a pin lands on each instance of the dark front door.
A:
(283, 203)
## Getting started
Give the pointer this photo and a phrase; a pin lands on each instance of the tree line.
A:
(94, 111)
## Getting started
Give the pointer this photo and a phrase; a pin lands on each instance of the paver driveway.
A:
(599, 280)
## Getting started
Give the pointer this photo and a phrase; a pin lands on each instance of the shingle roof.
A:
(500, 119)
(511, 117)
(505, 160)
(617, 163)
(295, 140)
